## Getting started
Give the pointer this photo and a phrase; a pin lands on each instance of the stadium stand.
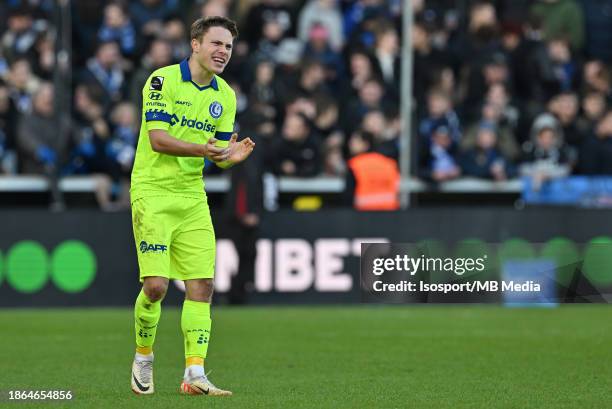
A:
(502, 90)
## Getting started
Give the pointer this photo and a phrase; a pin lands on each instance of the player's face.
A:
(215, 50)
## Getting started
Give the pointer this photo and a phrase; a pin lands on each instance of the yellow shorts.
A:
(174, 237)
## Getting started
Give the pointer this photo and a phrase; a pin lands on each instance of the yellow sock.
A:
(144, 350)
(194, 360)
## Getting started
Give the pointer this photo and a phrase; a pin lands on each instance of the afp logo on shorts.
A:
(152, 248)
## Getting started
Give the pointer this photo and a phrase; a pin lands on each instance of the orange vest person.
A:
(377, 181)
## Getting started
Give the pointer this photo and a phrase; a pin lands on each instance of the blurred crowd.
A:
(501, 88)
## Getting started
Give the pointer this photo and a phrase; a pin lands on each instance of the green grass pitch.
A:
(324, 357)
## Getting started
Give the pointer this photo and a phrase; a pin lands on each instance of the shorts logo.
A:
(154, 96)
(152, 248)
(215, 109)
(157, 83)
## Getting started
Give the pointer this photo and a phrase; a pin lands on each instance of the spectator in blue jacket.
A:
(438, 160)
(440, 110)
(118, 27)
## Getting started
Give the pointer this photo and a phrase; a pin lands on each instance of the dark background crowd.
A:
(501, 88)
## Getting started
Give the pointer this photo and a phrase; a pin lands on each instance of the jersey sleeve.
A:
(157, 103)
(226, 126)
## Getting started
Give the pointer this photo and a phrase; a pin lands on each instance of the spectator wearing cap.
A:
(596, 153)
(118, 27)
(546, 156)
(104, 70)
(439, 157)
(324, 13)
(485, 160)
(40, 147)
(318, 49)
(561, 18)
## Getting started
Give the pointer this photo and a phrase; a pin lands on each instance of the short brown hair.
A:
(201, 26)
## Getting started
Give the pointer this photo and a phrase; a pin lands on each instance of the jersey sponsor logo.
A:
(155, 104)
(187, 103)
(199, 125)
(154, 96)
(152, 248)
(215, 109)
(157, 83)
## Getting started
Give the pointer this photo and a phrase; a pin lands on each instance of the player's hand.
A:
(239, 151)
(215, 153)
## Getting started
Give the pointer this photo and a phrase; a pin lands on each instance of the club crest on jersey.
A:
(215, 109)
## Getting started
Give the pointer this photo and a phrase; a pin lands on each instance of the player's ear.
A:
(195, 45)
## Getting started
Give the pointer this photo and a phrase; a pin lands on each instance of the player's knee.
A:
(156, 291)
(208, 289)
(200, 290)
(205, 292)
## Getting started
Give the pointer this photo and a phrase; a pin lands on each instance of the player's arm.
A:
(163, 142)
(158, 97)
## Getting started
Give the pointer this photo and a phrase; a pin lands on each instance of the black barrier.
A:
(88, 258)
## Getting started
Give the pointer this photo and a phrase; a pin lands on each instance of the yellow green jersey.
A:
(173, 102)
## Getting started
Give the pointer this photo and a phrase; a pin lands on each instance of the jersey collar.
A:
(186, 76)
